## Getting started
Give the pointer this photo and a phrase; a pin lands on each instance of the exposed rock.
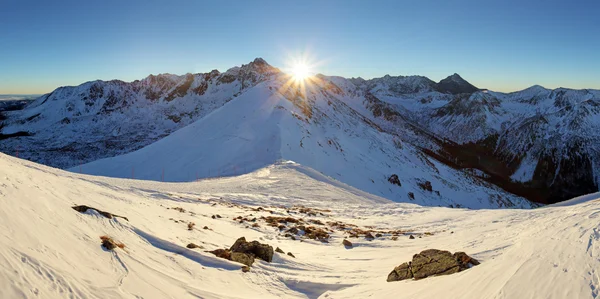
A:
(192, 246)
(432, 262)
(411, 195)
(393, 179)
(401, 272)
(411, 237)
(347, 243)
(83, 209)
(222, 253)
(243, 258)
(262, 251)
(290, 254)
(378, 235)
(110, 244)
(369, 236)
(465, 261)
(426, 186)
(191, 225)
(205, 227)
(245, 269)
(279, 250)
(395, 238)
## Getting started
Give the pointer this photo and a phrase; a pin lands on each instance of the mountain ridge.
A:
(100, 119)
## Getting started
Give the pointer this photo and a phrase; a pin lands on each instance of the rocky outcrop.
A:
(84, 209)
(432, 262)
(245, 252)
(261, 251)
(393, 179)
(401, 272)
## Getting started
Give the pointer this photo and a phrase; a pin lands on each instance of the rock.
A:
(192, 246)
(279, 250)
(433, 262)
(243, 258)
(426, 186)
(290, 254)
(245, 269)
(108, 244)
(393, 179)
(378, 235)
(369, 236)
(262, 251)
(83, 209)
(401, 272)
(347, 243)
(411, 195)
(411, 237)
(222, 253)
(395, 238)
(292, 230)
(205, 227)
(465, 261)
(214, 217)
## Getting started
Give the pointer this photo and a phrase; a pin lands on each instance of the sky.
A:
(500, 45)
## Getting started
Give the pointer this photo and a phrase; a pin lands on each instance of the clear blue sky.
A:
(501, 45)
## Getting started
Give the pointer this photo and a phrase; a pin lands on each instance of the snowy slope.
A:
(538, 143)
(48, 250)
(100, 119)
(312, 126)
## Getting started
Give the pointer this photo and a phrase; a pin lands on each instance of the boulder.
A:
(433, 262)
(261, 251)
(401, 272)
(243, 258)
(279, 250)
(465, 261)
(291, 254)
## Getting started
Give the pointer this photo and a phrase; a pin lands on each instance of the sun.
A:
(300, 71)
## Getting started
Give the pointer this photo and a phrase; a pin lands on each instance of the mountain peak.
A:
(455, 84)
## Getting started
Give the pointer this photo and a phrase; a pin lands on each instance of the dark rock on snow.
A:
(432, 262)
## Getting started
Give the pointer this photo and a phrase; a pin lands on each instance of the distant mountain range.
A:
(537, 143)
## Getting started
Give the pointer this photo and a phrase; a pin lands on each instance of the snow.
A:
(48, 250)
(269, 127)
(525, 171)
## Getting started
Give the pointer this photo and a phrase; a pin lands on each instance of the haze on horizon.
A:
(503, 46)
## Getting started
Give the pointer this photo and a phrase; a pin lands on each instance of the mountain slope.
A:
(73, 125)
(48, 250)
(313, 126)
(537, 143)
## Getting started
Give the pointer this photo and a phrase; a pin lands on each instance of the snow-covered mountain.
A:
(280, 120)
(537, 143)
(74, 125)
(50, 250)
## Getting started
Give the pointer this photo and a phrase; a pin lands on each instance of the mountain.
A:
(74, 125)
(278, 120)
(50, 250)
(537, 143)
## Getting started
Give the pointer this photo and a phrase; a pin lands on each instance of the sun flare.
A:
(300, 72)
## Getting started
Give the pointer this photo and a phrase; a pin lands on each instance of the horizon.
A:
(503, 47)
(28, 95)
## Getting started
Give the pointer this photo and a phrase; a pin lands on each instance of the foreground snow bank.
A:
(49, 250)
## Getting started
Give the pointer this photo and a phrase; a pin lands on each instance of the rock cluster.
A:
(432, 262)
(245, 252)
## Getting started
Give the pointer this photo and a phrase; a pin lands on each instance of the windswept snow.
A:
(48, 250)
